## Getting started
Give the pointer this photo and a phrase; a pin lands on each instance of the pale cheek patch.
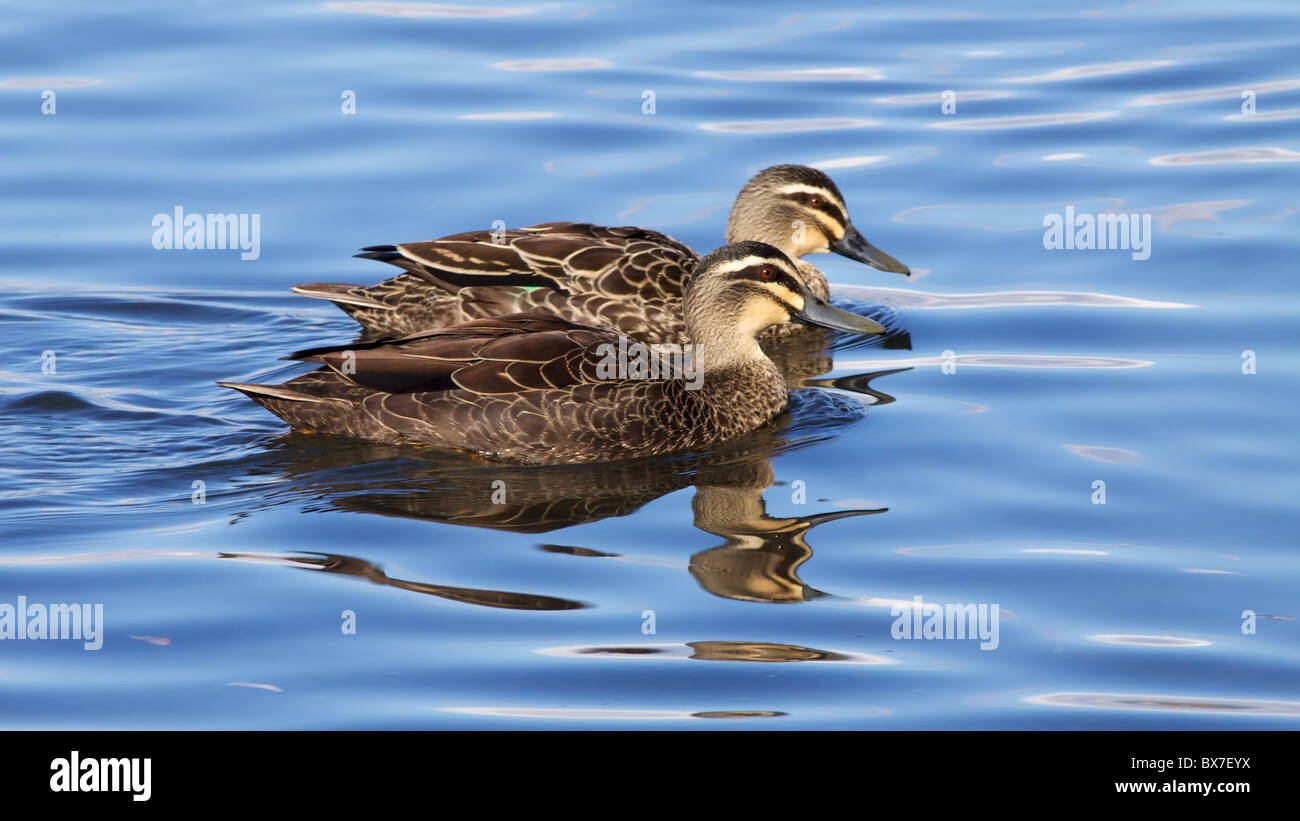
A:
(830, 230)
(787, 296)
(761, 314)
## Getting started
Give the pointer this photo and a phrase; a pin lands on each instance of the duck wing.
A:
(492, 357)
(579, 258)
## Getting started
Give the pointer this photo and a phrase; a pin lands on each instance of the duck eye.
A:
(768, 273)
(815, 202)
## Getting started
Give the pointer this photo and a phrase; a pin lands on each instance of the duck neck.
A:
(743, 395)
(724, 350)
(737, 380)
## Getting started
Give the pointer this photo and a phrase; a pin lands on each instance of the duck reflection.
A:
(858, 383)
(805, 352)
(352, 566)
(758, 561)
(745, 651)
(762, 554)
(759, 651)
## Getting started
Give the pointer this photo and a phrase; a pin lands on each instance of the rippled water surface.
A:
(758, 582)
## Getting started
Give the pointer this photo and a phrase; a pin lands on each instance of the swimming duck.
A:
(537, 388)
(628, 279)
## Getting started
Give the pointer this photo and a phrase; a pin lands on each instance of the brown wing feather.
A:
(627, 278)
(574, 257)
(493, 356)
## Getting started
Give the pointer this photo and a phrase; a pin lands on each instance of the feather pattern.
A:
(626, 278)
(534, 387)
(630, 279)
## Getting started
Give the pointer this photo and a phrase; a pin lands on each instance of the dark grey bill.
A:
(817, 311)
(855, 246)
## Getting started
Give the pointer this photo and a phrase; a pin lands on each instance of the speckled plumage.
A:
(630, 279)
(562, 413)
(529, 387)
(626, 278)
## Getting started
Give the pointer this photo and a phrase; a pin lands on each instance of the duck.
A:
(537, 388)
(627, 278)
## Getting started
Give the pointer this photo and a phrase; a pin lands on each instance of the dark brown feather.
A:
(582, 272)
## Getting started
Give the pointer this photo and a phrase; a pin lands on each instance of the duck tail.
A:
(421, 272)
(383, 253)
(262, 393)
(411, 301)
(340, 294)
(305, 412)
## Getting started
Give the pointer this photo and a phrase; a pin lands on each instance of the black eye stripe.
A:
(828, 207)
(755, 272)
(756, 290)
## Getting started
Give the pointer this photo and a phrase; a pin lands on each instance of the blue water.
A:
(1030, 374)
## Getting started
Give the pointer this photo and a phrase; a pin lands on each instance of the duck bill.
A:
(855, 246)
(817, 311)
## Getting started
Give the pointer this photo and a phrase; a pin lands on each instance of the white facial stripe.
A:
(825, 194)
(805, 188)
(732, 266)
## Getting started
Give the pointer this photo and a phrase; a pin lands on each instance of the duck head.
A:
(741, 289)
(800, 211)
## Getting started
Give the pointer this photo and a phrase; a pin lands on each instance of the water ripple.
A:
(1109, 456)
(1231, 155)
(386, 9)
(935, 97)
(599, 714)
(50, 82)
(1095, 70)
(788, 126)
(1027, 121)
(802, 75)
(552, 64)
(901, 298)
(1197, 95)
(1262, 116)
(1181, 704)
(998, 361)
(510, 116)
(1147, 641)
